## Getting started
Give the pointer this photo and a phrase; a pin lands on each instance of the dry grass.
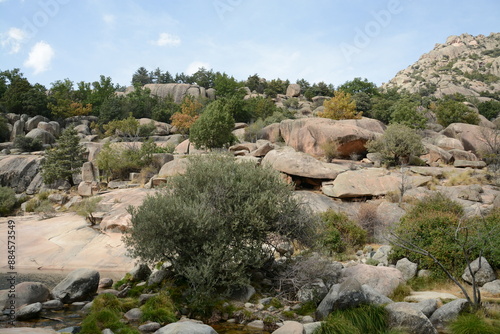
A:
(465, 178)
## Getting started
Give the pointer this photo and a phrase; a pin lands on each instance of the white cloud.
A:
(109, 19)
(195, 66)
(166, 39)
(40, 57)
(13, 39)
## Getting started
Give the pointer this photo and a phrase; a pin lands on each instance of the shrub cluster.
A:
(340, 233)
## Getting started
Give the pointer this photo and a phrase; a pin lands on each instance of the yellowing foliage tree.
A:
(190, 109)
(341, 106)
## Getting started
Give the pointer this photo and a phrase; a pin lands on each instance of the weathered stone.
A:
(157, 276)
(427, 306)
(383, 279)
(140, 272)
(290, 327)
(18, 171)
(105, 283)
(29, 311)
(419, 296)
(341, 296)
(484, 273)
(54, 304)
(79, 285)
(310, 328)
(45, 137)
(149, 327)
(17, 129)
(403, 315)
(177, 91)
(448, 312)
(382, 254)
(32, 123)
(471, 164)
(174, 167)
(26, 293)
(312, 292)
(184, 327)
(289, 161)
(407, 268)
(308, 135)
(472, 137)
(271, 133)
(134, 314)
(492, 287)
(368, 182)
(463, 155)
(262, 150)
(293, 90)
(256, 324)
(436, 154)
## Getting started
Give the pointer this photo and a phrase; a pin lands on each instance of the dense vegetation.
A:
(211, 224)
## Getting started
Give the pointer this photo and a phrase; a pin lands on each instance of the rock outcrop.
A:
(308, 135)
(460, 65)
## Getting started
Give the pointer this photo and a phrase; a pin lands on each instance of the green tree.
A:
(340, 233)
(213, 221)
(489, 109)
(358, 85)
(341, 106)
(226, 86)
(256, 83)
(214, 127)
(7, 200)
(397, 144)
(141, 77)
(204, 77)
(407, 112)
(65, 160)
(4, 130)
(450, 111)
(276, 86)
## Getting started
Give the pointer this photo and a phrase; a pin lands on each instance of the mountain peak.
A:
(465, 64)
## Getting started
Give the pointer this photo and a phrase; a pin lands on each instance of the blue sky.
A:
(319, 40)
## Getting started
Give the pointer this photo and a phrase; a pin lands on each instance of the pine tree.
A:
(65, 159)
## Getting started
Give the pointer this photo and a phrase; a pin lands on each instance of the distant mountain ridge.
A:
(465, 64)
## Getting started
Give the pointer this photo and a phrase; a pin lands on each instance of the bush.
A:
(489, 109)
(330, 149)
(407, 112)
(341, 106)
(340, 233)
(397, 144)
(7, 200)
(27, 144)
(450, 111)
(368, 219)
(214, 127)
(253, 132)
(4, 130)
(431, 224)
(87, 208)
(212, 223)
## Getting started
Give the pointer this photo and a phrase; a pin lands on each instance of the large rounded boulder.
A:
(79, 285)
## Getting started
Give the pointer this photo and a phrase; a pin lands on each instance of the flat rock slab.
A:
(418, 296)
(368, 182)
(289, 161)
(66, 242)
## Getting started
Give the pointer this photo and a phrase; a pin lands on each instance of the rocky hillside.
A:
(465, 64)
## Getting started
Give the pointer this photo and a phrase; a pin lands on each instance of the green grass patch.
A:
(106, 312)
(471, 324)
(159, 309)
(360, 320)
(307, 308)
(398, 295)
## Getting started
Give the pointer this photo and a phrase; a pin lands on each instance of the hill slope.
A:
(465, 64)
